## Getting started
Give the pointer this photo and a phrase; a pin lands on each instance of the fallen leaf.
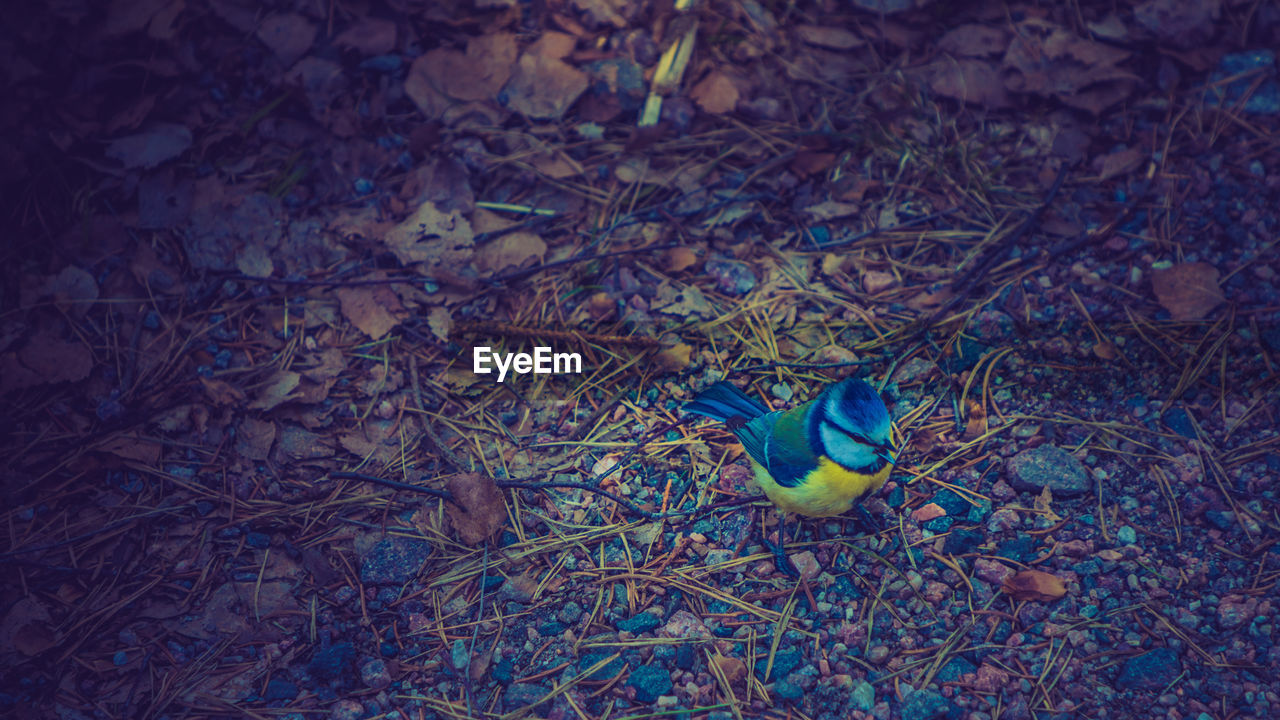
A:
(974, 40)
(253, 260)
(829, 36)
(440, 321)
(288, 35)
(1044, 505)
(27, 627)
(373, 309)
(1034, 585)
(1184, 23)
(680, 258)
(73, 290)
(55, 360)
(511, 250)
(875, 281)
(733, 669)
(127, 16)
(1048, 60)
(715, 94)
(1187, 290)
(485, 68)
(604, 11)
(478, 511)
(812, 162)
(926, 300)
(163, 200)
(433, 238)
(969, 80)
(221, 392)
(254, 438)
(131, 446)
(544, 87)
(832, 209)
(276, 391)
(1120, 162)
(324, 365)
(674, 358)
(159, 143)
(685, 302)
(369, 36)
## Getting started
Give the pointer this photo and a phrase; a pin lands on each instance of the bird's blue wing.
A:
(787, 462)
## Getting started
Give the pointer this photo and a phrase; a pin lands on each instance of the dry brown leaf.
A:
(681, 258)
(253, 260)
(832, 209)
(927, 300)
(221, 392)
(288, 35)
(1120, 162)
(603, 11)
(974, 40)
(421, 84)
(674, 358)
(1187, 290)
(73, 289)
(131, 446)
(434, 239)
(27, 627)
(482, 71)
(829, 36)
(1184, 23)
(254, 438)
(324, 365)
(1044, 505)
(511, 250)
(1048, 60)
(369, 36)
(812, 162)
(715, 93)
(440, 321)
(544, 87)
(1105, 351)
(54, 360)
(279, 389)
(521, 587)
(478, 511)
(969, 80)
(733, 669)
(556, 45)
(373, 309)
(1034, 585)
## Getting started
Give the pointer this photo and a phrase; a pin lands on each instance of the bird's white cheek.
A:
(844, 450)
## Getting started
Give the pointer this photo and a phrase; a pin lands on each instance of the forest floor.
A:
(253, 248)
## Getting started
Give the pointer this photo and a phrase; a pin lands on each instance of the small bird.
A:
(817, 459)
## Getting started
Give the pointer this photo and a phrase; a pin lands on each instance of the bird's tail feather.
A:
(723, 401)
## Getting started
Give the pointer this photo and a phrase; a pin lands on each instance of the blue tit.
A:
(817, 459)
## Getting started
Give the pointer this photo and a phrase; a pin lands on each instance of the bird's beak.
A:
(886, 453)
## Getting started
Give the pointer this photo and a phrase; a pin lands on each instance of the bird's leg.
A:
(870, 525)
(863, 519)
(779, 552)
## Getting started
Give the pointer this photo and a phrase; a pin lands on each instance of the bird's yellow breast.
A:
(830, 489)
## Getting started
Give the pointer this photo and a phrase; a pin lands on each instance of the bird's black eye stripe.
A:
(860, 438)
(855, 436)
